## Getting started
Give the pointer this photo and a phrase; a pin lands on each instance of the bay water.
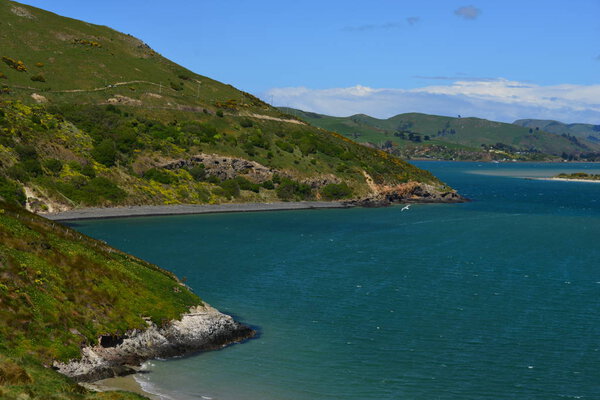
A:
(498, 298)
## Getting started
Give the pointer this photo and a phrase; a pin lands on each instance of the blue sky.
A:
(340, 56)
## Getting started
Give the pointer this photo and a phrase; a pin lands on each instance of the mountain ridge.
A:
(419, 135)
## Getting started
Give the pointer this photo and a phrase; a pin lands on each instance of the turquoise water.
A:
(494, 299)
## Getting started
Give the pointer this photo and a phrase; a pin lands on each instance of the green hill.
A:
(423, 135)
(60, 289)
(588, 132)
(93, 117)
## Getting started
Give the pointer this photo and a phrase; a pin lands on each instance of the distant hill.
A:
(93, 117)
(582, 131)
(423, 135)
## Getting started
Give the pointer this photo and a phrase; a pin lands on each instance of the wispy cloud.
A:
(372, 27)
(468, 12)
(413, 20)
(499, 99)
(386, 26)
(455, 78)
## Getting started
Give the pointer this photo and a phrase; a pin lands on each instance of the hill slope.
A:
(416, 134)
(581, 131)
(90, 116)
(60, 290)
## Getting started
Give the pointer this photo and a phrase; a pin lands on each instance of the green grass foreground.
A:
(60, 289)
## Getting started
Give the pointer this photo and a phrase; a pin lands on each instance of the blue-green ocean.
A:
(498, 298)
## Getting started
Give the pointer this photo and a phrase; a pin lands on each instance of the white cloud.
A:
(499, 99)
(468, 12)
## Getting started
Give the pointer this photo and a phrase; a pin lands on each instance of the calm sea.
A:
(494, 299)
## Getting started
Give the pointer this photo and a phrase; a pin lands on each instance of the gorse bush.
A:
(14, 64)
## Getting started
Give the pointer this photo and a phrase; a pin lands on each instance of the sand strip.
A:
(142, 211)
(567, 180)
(122, 383)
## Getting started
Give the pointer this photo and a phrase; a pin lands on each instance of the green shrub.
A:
(198, 172)
(88, 170)
(246, 123)
(105, 152)
(159, 175)
(268, 185)
(53, 165)
(112, 108)
(96, 191)
(291, 190)
(285, 146)
(307, 146)
(18, 173)
(245, 184)
(176, 85)
(230, 188)
(32, 167)
(249, 149)
(2, 76)
(38, 78)
(12, 192)
(336, 191)
(220, 113)
(26, 151)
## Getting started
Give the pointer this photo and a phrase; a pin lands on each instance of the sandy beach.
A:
(183, 209)
(125, 383)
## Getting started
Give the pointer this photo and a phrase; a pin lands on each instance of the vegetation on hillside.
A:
(430, 136)
(93, 116)
(92, 155)
(60, 289)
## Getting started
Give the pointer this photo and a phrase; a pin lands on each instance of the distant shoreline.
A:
(566, 180)
(187, 209)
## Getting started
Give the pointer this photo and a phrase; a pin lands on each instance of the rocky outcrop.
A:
(321, 180)
(203, 328)
(225, 167)
(410, 192)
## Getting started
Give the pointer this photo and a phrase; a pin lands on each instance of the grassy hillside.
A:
(90, 116)
(581, 131)
(60, 289)
(446, 137)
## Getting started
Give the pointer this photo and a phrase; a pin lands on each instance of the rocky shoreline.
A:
(202, 328)
(407, 193)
